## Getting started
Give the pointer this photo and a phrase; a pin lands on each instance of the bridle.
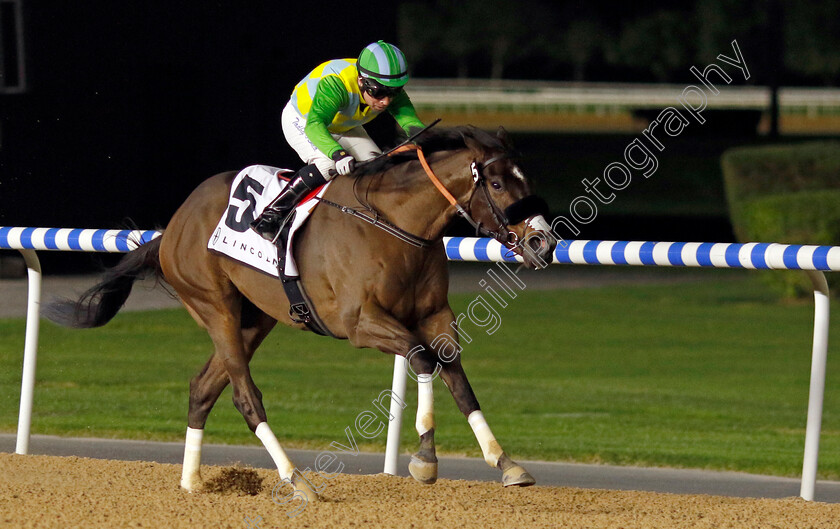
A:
(502, 233)
(522, 209)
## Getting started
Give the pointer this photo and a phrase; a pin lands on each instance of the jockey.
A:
(323, 121)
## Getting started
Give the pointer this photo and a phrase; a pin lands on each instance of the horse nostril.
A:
(537, 244)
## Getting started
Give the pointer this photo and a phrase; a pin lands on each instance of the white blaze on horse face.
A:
(489, 446)
(517, 172)
(425, 420)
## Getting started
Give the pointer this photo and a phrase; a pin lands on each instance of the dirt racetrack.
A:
(68, 492)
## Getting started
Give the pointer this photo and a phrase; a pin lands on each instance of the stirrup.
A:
(270, 224)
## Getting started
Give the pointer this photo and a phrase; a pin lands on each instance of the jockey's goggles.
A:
(379, 91)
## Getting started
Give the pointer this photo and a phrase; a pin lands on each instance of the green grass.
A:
(712, 374)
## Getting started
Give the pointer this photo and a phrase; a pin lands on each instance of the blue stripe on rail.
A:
(481, 249)
(590, 252)
(675, 254)
(508, 255)
(646, 253)
(149, 236)
(561, 253)
(758, 255)
(4, 237)
(821, 257)
(704, 254)
(49, 239)
(122, 240)
(452, 248)
(731, 255)
(617, 253)
(73, 239)
(98, 240)
(789, 256)
(26, 237)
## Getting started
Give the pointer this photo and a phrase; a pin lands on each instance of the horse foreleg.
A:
(423, 465)
(376, 328)
(453, 375)
(437, 330)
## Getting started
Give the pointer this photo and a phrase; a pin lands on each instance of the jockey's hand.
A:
(344, 163)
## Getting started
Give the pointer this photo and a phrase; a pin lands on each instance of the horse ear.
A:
(474, 145)
(503, 136)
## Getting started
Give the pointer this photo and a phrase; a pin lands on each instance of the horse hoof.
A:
(517, 476)
(423, 471)
(304, 489)
(192, 485)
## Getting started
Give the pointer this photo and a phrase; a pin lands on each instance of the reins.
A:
(382, 224)
(478, 178)
(419, 242)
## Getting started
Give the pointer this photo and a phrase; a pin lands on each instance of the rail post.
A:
(819, 355)
(30, 349)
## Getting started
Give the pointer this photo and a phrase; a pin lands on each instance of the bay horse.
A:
(368, 287)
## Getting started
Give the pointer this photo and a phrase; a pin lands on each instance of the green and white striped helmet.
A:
(384, 63)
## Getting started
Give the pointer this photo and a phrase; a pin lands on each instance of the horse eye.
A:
(496, 185)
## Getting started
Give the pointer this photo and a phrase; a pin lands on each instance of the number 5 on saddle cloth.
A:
(252, 190)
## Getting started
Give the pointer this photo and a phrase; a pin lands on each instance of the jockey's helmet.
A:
(383, 63)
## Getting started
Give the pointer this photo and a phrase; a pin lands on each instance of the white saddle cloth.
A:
(253, 189)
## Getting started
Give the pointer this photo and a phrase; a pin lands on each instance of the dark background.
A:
(130, 105)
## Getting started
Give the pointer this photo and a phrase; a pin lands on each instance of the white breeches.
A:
(356, 141)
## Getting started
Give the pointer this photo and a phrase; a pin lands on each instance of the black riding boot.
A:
(269, 224)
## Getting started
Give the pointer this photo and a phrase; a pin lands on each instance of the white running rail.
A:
(813, 260)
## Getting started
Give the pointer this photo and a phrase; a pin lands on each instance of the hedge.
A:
(787, 194)
(807, 217)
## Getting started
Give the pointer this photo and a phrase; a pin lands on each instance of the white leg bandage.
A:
(190, 475)
(284, 465)
(425, 404)
(491, 449)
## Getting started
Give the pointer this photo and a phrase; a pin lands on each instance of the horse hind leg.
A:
(513, 474)
(227, 366)
(209, 383)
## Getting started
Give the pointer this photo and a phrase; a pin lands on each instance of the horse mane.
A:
(432, 141)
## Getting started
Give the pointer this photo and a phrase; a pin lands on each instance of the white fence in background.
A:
(488, 95)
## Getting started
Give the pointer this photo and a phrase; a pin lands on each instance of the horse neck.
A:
(411, 201)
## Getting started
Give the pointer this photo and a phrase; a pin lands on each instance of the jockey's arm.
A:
(402, 109)
(330, 97)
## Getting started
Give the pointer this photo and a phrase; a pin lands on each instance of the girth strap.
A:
(301, 309)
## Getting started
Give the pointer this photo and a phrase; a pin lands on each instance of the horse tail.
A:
(100, 303)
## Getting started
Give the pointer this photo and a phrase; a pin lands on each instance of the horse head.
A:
(502, 204)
